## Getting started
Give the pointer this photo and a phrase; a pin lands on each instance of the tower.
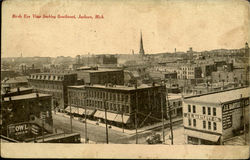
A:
(141, 47)
(246, 49)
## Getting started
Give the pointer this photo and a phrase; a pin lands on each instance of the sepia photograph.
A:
(125, 79)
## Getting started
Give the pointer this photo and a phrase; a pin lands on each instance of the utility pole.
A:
(136, 112)
(243, 113)
(86, 136)
(107, 137)
(71, 128)
(170, 119)
(122, 121)
(162, 117)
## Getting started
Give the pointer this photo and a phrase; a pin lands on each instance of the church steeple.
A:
(141, 47)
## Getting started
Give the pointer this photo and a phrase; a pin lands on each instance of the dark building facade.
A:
(54, 84)
(21, 111)
(124, 103)
(114, 76)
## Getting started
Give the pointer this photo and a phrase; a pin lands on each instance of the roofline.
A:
(214, 92)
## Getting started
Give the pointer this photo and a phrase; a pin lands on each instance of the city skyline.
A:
(165, 25)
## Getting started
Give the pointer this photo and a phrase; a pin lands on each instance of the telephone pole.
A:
(162, 117)
(107, 137)
(136, 112)
(170, 119)
(71, 128)
(86, 136)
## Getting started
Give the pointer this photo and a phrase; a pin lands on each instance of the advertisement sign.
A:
(21, 131)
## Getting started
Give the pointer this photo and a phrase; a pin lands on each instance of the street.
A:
(97, 133)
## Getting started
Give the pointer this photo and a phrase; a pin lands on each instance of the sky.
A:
(165, 25)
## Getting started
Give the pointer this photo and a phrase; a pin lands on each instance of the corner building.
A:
(54, 84)
(215, 117)
(121, 103)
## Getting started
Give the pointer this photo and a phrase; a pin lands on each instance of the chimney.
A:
(18, 90)
(9, 98)
(135, 86)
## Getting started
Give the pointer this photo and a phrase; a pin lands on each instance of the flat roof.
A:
(121, 87)
(221, 97)
(26, 96)
(79, 86)
(102, 70)
(172, 96)
(13, 90)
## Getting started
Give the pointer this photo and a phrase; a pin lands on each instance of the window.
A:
(215, 126)
(189, 108)
(194, 109)
(209, 125)
(204, 110)
(189, 122)
(208, 110)
(204, 124)
(214, 111)
(194, 122)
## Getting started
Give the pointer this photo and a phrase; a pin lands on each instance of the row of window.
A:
(204, 124)
(109, 106)
(204, 110)
(49, 86)
(108, 96)
(76, 94)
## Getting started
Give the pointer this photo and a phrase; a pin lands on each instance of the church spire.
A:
(141, 47)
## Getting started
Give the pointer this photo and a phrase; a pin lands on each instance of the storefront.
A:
(112, 118)
(201, 138)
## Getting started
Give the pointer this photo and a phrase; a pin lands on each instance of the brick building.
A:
(189, 71)
(102, 76)
(215, 117)
(22, 110)
(77, 101)
(54, 84)
(175, 102)
(121, 101)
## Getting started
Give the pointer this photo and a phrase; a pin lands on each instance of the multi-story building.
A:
(189, 71)
(213, 118)
(22, 110)
(54, 84)
(15, 82)
(123, 102)
(175, 105)
(239, 76)
(77, 101)
(102, 76)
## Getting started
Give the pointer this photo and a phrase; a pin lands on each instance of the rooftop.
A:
(102, 70)
(172, 96)
(26, 96)
(221, 97)
(20, 79)
(121, 87)
(79, 86)
(59, 74)
(12, 90)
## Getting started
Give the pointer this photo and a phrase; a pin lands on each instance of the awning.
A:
(120, 118)
(111, 116)
(101, 114)
(88, 111)
(200, 135)
(73, 109)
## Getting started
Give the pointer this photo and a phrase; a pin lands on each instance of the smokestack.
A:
(18, 90)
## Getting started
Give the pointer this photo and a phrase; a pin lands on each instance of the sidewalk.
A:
(127, 131)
